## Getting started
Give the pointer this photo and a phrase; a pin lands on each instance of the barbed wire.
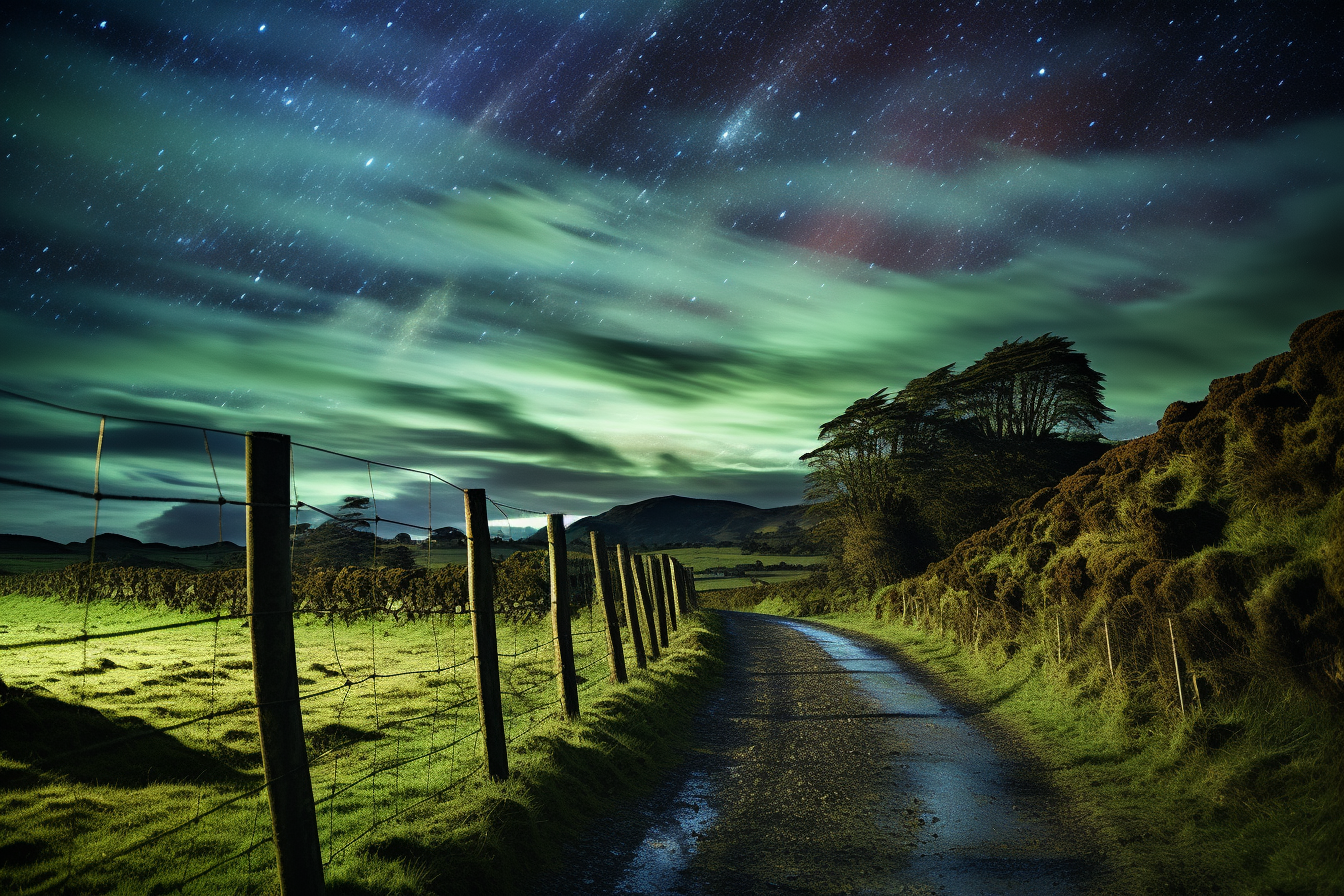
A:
(60, 407)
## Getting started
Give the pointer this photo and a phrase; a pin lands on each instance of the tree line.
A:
(347, 540)
(900, 479)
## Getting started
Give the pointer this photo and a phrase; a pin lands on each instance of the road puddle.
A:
(668, 846)
(978, 832)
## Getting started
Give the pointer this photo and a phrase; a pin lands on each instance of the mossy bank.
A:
(496, 838)
(1166, 628)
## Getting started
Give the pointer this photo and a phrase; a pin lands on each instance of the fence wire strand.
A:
(429, 723)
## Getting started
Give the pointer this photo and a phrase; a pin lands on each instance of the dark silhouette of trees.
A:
(1030, 390)
(902, 478)
(343, 541)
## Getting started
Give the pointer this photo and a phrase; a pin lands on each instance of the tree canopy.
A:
(1030, 390)
(901, 478)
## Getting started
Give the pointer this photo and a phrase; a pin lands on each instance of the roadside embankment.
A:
(494, 839)
(1165, 628)
(1237, 797)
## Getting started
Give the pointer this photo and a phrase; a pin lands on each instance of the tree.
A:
(396, 556)
(868, 511)
(902, 478)
(343, 540)
(351, 515)
(1030, 390)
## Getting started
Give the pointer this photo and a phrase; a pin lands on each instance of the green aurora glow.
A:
(567, 339)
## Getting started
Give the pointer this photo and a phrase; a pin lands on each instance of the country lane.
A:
(823, 767)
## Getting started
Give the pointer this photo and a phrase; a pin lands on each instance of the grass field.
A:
(98, 796)
(697, 558)
(21, 563)
(701, 559)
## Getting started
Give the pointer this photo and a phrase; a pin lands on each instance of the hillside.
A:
(26, 553)
(1222, 531)
(31, 544)
(676, 520)
(1163, 629)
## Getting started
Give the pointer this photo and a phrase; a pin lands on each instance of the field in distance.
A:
(739, 569)
(715, 567)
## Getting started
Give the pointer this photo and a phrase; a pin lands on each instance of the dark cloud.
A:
(506, 428)
(195, 524)
(685, 374)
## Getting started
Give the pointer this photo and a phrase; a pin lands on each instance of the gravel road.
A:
(823, 766)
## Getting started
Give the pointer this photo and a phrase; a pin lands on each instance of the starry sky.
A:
(585, 254)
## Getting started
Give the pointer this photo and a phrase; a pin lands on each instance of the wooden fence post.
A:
(564, 642)
(602, 568)
(631, 603)
(690, 588)
(659, 599)
(1176, 661)
(1106, 627)
(679, 587)
(481, 595)
(646, 600)
(275, 676)
(665, 570)
(679, 579)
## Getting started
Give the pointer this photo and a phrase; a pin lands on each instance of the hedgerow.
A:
(522, 588)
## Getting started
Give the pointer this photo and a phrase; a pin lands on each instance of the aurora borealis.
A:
(582, 255)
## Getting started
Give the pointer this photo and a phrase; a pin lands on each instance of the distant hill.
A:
(112, 544)
(29, 552)
(30, 544)
(673, 519)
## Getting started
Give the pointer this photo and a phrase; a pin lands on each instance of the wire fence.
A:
(134, 743)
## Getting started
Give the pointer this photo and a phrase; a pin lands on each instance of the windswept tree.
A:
(1031, 390)
(856, 476)
(901, 478)
(344, 540)
(852, 469)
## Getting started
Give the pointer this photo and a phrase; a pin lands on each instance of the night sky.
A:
(582, 255)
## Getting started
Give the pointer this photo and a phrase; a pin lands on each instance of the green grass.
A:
(458, 556)
(63, 810)
(17, 564)
(704, 558)
(1242, 797)
(768, 576)
(701, 559)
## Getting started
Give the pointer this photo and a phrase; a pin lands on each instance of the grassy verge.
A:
(99, 751)
(1242, 797)
(497, 837)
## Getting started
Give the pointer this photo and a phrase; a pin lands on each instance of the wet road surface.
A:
(821, 766)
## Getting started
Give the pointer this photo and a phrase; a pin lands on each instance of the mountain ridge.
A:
(674, 519)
